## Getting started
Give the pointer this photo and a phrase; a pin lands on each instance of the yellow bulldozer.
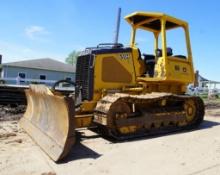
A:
(120, 90)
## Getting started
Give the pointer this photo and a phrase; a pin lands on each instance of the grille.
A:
(85, 76)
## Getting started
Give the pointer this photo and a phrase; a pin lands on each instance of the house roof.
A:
(202, 78)
(43, 63)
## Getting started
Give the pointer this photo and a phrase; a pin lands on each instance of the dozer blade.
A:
(49, 120)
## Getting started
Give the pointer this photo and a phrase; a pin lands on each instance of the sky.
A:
(54, 28)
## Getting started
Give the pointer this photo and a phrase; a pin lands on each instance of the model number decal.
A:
(124, 56)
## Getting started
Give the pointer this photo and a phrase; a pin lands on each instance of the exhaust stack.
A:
(117, 26)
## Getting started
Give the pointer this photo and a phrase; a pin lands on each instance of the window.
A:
(68, 78)
(42, 77)
(22, 76)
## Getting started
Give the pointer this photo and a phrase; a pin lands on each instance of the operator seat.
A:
(159, 52)
(149, 61)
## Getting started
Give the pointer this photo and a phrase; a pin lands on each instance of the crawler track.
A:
(127, 116)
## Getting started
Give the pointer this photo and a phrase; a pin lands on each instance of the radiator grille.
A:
(85, 76)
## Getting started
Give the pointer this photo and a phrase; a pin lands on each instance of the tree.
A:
(71, 59)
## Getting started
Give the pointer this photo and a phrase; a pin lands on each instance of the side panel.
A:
(180, 70)
(123, 76)
(113, 71)
(101, 71)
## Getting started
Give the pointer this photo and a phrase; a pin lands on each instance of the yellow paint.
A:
(190, 109)
(128, 129)
(172, 74)
(83, 120)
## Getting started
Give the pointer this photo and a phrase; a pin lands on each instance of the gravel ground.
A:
(184, 153)
(13, 112)
(212, 104)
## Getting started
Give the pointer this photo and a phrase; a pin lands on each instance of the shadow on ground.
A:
(80, 151)
(206, 124)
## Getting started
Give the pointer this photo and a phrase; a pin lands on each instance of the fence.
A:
(26, 81)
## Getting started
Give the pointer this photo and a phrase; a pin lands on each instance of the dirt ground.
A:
(184, 153)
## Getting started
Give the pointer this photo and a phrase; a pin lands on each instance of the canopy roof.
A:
(151, 21)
